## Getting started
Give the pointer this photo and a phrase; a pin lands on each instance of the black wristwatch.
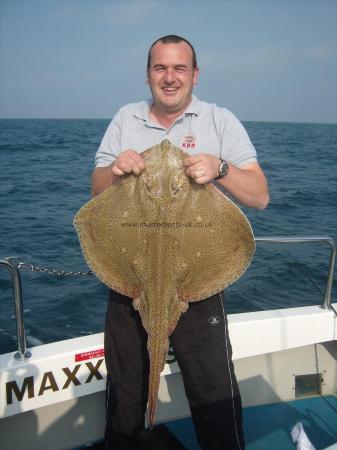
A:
(223, 169)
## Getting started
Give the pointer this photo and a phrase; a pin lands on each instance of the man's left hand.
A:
(202, 168)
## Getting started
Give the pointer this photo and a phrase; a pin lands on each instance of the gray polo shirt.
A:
(202, 128)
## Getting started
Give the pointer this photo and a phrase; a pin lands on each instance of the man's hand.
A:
(202, 168)
(247, 184)
(129, 161)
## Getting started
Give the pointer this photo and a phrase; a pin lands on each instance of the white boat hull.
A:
(57, 395)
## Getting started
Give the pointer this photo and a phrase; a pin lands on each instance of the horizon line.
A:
(107, 118)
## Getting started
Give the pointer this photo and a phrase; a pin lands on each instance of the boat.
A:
(52, 396)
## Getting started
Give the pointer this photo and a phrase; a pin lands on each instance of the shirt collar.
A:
(194, 106)
(143, 110)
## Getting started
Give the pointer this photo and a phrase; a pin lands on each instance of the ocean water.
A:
(45, 168)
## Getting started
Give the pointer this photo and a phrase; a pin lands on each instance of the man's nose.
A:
(169, 76)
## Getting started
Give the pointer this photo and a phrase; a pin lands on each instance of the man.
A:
(219, 149)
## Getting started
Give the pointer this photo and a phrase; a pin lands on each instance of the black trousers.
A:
(203, 351)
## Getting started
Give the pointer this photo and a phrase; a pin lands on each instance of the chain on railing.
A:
(13, 265)
(56, 272)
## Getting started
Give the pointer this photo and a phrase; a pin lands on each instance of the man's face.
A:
(171, 76)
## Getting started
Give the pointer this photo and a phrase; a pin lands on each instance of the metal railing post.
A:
(22, 352)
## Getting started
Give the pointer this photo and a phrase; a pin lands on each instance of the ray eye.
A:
(177, 189)
(150, 183)
(153, 186)
(176, 185)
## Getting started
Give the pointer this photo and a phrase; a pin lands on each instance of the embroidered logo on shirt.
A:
(189, 141)
(214, 320)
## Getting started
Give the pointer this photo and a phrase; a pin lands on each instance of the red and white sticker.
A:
(89, 355)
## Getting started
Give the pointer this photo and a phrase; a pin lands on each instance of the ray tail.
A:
(157, 347)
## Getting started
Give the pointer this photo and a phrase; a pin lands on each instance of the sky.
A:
(265, 60)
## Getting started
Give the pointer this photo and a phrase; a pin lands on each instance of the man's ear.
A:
(195, 75)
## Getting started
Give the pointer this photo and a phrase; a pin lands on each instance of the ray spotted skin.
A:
(164, 241)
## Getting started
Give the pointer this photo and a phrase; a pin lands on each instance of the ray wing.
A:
(216, 244)
(110, 239)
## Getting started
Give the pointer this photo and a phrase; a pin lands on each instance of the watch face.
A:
(223, 169)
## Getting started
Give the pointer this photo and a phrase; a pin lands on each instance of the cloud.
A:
(319, 54)
(266, 60)
(136, 13)
(126, 14)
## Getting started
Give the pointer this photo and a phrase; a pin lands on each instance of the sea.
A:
(45, 168)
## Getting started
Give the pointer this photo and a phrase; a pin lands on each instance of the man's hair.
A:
(172, 39)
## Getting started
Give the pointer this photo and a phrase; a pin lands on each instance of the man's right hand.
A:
(129, 161)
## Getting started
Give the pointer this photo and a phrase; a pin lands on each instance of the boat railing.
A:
(22, 352)
(302, 239)
(13, 268)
